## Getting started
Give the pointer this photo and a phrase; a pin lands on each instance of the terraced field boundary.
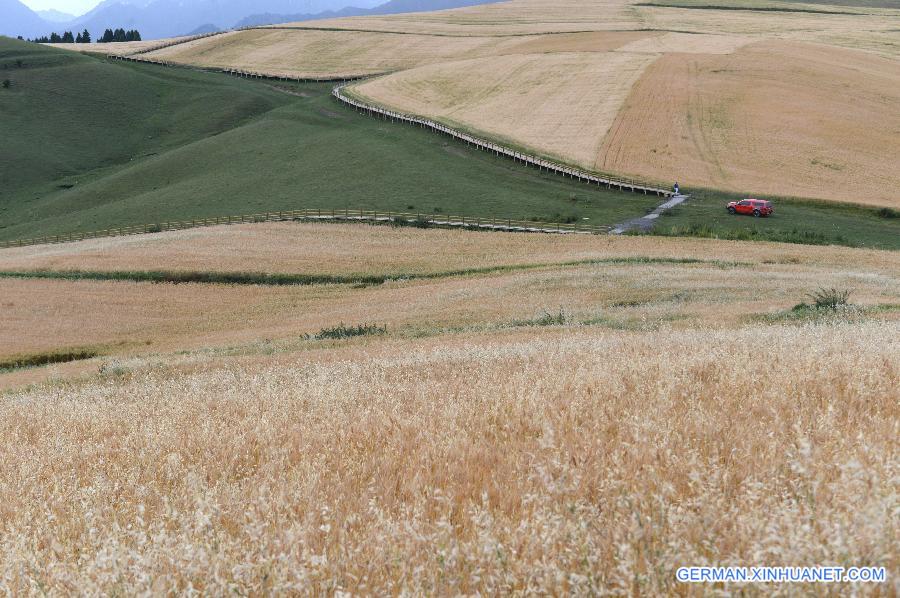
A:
(632, 185)
(317, 215)
(237, 72)
(177, 42)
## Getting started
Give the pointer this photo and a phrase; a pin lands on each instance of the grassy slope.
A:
(795, 221)
(142, 144)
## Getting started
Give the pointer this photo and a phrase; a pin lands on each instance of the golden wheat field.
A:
(538, 414)
(712, 95)
(120, 48)
(491, 281)
(566, 461)
(772, 118)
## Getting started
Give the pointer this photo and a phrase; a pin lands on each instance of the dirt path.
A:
(645, 223)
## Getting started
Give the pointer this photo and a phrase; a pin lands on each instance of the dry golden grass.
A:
(346, 249)
(772, 118)
(517, 17)
(118, 48)
(871, 29)
(552, 462)
(292, 52)
(126, 319)
(560, 104)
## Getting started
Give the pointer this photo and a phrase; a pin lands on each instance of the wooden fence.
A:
(532, 160)
(376, 216)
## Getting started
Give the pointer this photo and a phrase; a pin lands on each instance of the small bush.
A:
(830, 298)
(341, 331)
(420, 222)
(547, 319)
(46, 358)
(6, 83)
(154, 228)
(888, 213)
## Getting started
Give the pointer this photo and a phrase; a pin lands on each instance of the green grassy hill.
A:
(90, 144)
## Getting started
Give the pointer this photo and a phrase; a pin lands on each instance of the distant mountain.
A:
(203, 29)
(274, 19)
(55, 16)
(167, 18)
(18, 19)
(388, 8)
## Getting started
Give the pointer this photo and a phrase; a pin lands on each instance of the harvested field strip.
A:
(46, 358)
(749, 8)
(368, 216)
(264, 279)
(631, 184)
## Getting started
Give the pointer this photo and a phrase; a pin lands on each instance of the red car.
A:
(757, 207)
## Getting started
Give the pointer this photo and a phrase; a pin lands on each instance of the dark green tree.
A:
(55, 38)
(68, 38)
(85, 37)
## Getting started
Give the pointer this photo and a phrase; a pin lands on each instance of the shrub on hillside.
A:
(341, 331)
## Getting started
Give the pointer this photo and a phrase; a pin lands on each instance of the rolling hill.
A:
(715, 96)
(96, 143)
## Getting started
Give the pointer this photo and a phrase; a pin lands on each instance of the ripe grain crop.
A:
(334, 52)
(352, 249)
(118, 48)
(560, 104)
(771, 118)
(584, 462)
(635, 283)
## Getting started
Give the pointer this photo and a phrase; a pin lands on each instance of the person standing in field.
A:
(676, 187)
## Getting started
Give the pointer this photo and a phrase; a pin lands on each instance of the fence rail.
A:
(176, 42)
(235, 72)
(542, 163)
(385, 216)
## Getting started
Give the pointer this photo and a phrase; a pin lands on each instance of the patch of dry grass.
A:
(347, 249)
(772, 118)
(314, 52)
(633, 282)
(550, 462)
(118, 48)
(560, 104)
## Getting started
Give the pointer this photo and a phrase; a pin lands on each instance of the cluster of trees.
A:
(120, 35)
(110, 35)
(66, 38)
